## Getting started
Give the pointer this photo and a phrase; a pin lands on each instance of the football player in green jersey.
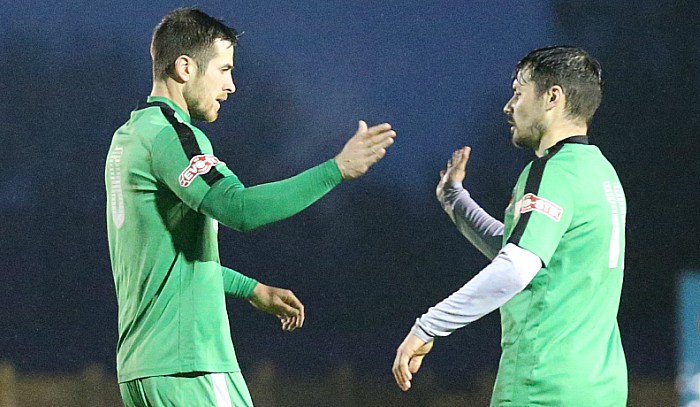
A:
(167, 192)
(557, 260)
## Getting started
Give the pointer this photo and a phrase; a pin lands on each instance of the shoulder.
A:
(185, 133)
(571, 162)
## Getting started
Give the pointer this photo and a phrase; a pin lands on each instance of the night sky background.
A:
(375, 253)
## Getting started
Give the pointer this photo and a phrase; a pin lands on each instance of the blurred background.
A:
(375, 253)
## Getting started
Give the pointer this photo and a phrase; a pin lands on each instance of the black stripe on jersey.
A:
(534, 179)
(187, 140)
(532, 186)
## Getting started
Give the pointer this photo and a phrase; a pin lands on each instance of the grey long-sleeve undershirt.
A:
(510, 271)
(480, 228)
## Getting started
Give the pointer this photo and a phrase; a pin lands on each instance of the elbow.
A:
(245, 227)
(519, 283)
(239, 226)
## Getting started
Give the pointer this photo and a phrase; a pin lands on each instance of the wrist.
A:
(454, 185)
(256, 291)
(420, 333)
(342, 166)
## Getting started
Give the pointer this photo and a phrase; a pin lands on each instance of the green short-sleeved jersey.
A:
(165, 258)
(560, 338)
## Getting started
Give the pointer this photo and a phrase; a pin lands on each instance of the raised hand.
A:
(281, 303)
(409, 357)
(364, 149)
(456, 170)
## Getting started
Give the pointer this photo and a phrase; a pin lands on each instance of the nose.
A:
(507, 108)
(229, 85)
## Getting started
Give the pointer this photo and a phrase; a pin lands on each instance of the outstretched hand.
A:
(409, 357)
(456, 170)
(281, 303)
(364, 149)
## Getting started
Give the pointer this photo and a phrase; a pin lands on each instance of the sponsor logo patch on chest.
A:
(532, 202)
(199, 165)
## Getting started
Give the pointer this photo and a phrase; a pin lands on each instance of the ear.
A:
(185, 68)
(555, 97)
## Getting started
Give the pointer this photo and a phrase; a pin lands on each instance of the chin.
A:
(207, 117)
(521, 142)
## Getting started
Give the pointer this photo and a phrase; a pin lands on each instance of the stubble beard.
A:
(196, 101)
(531, 137)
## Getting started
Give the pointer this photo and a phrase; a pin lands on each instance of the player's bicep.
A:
(187, 165)
(544, 214)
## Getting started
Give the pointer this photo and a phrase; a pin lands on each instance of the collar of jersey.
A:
(183, 116)
(569, 140)
(573, 140)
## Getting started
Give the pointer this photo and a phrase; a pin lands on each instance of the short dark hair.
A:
(187, 31)
(578, 74)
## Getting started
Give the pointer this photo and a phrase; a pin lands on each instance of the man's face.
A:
(207, 89)
(525, 111)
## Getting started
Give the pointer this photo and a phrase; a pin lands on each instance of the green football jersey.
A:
(560, 339)
(161, 174)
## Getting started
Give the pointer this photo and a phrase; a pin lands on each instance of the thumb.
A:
(361, 126)
(415, 363)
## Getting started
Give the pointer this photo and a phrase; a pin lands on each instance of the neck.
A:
(559, 132)
(171, 90)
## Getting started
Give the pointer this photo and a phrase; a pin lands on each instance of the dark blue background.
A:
(375, 253)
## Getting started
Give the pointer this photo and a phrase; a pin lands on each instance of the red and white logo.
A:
(199, 165)
(532, 202)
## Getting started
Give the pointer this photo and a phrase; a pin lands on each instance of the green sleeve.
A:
(236, 284)
(550, 209)
(176, 160)
(245, 209)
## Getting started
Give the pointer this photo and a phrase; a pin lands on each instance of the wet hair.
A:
(578, 74)
(187, 31)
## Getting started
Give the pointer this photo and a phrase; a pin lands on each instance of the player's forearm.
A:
(236, 284)
(480, 228)
(246, 209)
(508, 274)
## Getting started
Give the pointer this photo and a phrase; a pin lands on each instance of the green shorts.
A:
(188, 389)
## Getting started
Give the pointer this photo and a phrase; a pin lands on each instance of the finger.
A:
(295, 323)
(382, 136)
(290, 299)
(377, 150)
(384, 139)
(284, 309)
(379, 128)
(401, 373)
(301, 317)
(288, 324)
(462, 163)
(398, 377)
(387, 141)
(379, 153)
